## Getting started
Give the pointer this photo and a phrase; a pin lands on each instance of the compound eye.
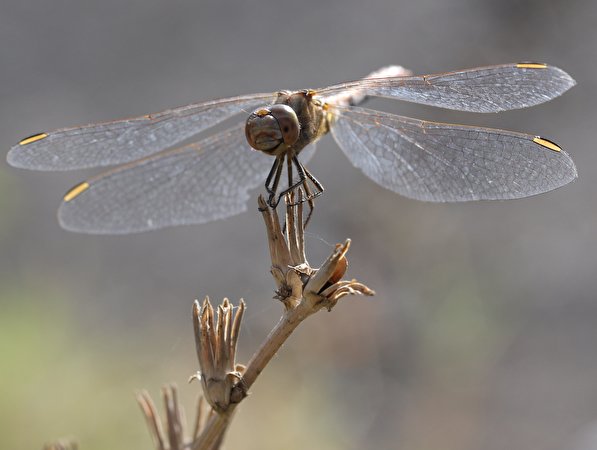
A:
(288, 122)
(263, 131)
(267, 128)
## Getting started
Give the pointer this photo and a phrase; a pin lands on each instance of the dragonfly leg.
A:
(270, 175)
(318, 186)
(310, 194)
(309, 198)
(291, 185)
(273, 180)
(304, 182)
(304, 177)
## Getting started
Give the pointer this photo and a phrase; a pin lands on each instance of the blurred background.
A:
(483, 333)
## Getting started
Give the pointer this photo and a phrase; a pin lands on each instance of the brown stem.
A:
(276, 338)
(289, 267)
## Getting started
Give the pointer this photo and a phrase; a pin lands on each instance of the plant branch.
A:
(303, 291)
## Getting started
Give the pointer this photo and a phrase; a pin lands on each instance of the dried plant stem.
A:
(214, 431)
(218, 424)
(303, 291)
(276, 338)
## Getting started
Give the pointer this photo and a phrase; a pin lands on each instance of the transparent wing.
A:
(448, 163)
(482, 89)
(197, 183)
(121, 141)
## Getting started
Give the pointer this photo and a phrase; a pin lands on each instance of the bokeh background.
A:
(483, 333)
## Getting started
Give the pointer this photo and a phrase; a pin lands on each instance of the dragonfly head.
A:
(267, 128)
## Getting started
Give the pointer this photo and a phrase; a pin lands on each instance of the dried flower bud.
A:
(216, 337)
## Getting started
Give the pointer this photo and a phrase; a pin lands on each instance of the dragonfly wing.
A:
(121, 141)
(197, 183)
(449, 163)
(482, 89)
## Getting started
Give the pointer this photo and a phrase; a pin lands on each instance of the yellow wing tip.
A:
(529, 65)
(76, 191)
(547, 144)
(34, 138)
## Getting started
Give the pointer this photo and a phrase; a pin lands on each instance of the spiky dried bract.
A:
(216, 337)
(326, 287)
(153, 420)
(174, 417)
(170, 434)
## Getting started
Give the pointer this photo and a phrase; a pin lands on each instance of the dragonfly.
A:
(160, 180)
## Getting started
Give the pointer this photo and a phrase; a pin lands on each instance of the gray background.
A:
(483, 331)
